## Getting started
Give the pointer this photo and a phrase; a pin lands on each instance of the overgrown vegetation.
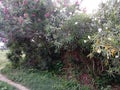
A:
(42, 80)
(3, 59)
(60, 40)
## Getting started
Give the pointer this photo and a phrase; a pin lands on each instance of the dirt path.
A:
(10, 82)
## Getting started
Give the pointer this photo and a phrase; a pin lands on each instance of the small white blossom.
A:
(95, 19)
(70, 13)
(106, 27)
(77, 11)
(89, 37)
(61, 10)
(100, 29)
(99, 51)
(76, 23)
(108, 57)
(64, 9)
(69, 34)
(116, 56)
(85, 41)
(99, 21)
(32, 40)
(109, 39)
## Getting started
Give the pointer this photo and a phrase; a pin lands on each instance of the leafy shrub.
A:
(36, 43)
(106, 43)
(73, 30)
(28, 43)
(105, 80)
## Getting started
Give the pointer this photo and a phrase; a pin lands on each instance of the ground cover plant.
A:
(3, 59)
(5, 86)
(42, 80)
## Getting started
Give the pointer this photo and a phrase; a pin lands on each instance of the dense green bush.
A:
(106, 42)
(103, 80)
(28, 41)
(38, 38)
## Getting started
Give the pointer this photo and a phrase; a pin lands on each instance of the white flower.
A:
(108, 57)
(100, 29)
(99, 21)
(77, 11)
(106, 27)
(85, 41)
(99, 51)
(89, 37)
(116, 56)
(69, 34)
(32, 40)
(70, 13)
(61, 10)
(109, 39)
(64, 9)
(76, 23)
(95, 19)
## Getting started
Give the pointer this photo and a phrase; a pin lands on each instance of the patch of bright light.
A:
(89, 5)
(1, 5)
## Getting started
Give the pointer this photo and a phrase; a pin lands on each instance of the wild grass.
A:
(40, 80)
(5, 86)
(35, 79)
(3, 59)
